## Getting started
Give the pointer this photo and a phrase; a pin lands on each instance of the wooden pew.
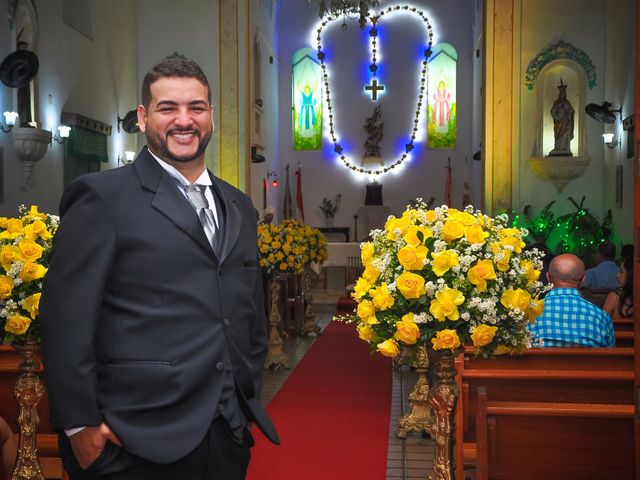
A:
(578, 375)
(534, 440)
(624, 338)
(47, 440)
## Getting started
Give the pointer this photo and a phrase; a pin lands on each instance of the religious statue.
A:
(563, 116)
(374, 127)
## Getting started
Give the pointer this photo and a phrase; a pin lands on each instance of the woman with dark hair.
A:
(619, 303)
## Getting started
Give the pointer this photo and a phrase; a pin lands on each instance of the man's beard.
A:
(159, 145)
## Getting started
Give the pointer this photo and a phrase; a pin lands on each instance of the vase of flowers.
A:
(25, 243)
(442, 278)
(329, 209)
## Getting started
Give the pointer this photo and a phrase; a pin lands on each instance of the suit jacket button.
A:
(220, 366)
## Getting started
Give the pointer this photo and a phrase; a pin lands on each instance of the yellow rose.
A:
(444, 339)
(367, 312)
(443, 261)
(446, 303)
(13, 229)
(530, 273)
(536, 307)
(6, 286)
(371, 273)
(483, 335)
(365, 332)
(37, 229)
(463, 217)
(396, 227)
(30, 250)
(411, 285)
(32, 305)
(283, 266)
(413, 258)
(504, 257)
(503, 350)
(276, 245)
(366, 253)
(389, 348)
(34, 213)
(407, 330)
(264, 248)
(430, 215)
(475, 234)
(480, 273)
(3, 222)
(8, 255)
(452, 230)
(381, 297)
(17, 324)
(414, 233)
(517, 298)
(515, 242)
(361, 288)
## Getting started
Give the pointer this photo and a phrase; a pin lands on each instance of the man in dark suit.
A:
(153, 327)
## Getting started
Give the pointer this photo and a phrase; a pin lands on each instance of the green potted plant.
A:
(329, 209)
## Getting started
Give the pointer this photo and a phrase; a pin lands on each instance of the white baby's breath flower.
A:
(422, 317)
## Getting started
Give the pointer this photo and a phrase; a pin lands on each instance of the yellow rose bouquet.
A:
(445, 278)
(288, 247)
(25, 244)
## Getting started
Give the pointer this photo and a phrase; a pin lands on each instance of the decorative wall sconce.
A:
(127, 158)
(63, 133)
(602, 113)
(274, 182)
(609, 140)
(129, 122)
(10, 120)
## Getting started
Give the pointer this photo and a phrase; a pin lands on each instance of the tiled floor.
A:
(407, 459)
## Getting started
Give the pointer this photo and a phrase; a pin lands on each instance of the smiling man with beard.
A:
(152, 322)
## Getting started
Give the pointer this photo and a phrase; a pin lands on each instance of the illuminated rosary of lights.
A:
(423, 76)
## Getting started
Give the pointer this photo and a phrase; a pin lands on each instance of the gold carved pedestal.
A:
(276, 355)
(310, 325)
(443, 400)
(419, 419)
(28, 391)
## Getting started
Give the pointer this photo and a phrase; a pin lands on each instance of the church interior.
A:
(326, 116)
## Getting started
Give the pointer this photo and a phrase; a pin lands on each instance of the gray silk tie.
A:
(196, 196)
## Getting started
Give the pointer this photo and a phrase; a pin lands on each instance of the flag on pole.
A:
(287, 197)
(299, 203)
(447, 187)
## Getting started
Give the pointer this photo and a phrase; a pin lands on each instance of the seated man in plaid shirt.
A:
(568, 319)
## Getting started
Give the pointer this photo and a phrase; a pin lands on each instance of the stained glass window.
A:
(307, 100)
(442, 106)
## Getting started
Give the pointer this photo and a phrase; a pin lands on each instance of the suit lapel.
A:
(232, 220)
(168, 200)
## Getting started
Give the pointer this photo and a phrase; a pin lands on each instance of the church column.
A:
(232, 117)
(501, 139)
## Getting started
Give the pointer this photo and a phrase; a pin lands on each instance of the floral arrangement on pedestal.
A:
(25, 243)
(288, 247)
(443, 278)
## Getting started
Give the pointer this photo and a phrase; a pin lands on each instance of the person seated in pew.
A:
(568, 319)
(619, 303)
(8, 447)
(603, 275)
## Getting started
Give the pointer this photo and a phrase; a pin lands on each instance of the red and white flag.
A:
(287, 210)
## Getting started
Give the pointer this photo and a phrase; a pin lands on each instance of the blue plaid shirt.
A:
(568, 319)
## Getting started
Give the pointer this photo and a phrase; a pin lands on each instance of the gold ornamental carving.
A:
(276, 356)
(420, 417)
(310, 325)
(443, 400)
(28, 391)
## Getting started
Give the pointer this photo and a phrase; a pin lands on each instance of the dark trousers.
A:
(217, 457)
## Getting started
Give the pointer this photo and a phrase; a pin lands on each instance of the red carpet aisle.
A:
(332, 414)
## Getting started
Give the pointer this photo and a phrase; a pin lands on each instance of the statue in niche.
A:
(563, 120)
(374, 127)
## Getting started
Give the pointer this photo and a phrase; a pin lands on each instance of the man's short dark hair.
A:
(607, 250)
(173, 66)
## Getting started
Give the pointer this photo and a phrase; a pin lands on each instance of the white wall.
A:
(323, 174)
(93, 77)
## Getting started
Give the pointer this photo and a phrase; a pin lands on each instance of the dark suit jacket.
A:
(137, 312)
